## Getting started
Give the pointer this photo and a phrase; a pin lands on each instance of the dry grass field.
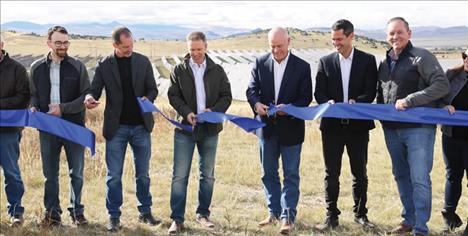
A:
(238, 202)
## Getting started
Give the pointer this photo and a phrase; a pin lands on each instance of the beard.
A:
(62, 53)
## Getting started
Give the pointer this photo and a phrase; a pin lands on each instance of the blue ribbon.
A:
(366, 111)
(50, 124)
(245, 123)
(147, 106)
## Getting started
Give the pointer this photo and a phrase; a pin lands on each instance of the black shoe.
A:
(148, 218)
(16, 221)
(114, 225)
(452, 220)
(362, 220)
(79, 220)
(329, 224)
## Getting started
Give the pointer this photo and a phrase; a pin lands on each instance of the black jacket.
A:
(74, 85)
(107, 76)
(362, 87)
(182, 94)
(14, 89)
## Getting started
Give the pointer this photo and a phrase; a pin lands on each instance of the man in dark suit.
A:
(125, 75)
(197, 85)
(280, 78)
(349, 76)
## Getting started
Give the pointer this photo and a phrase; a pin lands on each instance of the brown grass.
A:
(238, 202)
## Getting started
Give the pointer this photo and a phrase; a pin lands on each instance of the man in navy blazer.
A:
(280, 78)
(349, 76)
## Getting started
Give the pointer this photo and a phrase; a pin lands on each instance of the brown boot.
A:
(286, 226)
(402, 228)
(270, 220)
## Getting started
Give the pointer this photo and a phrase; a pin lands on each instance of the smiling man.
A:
(410, 77)
(348, 75)
(59, 84)
(197, 85)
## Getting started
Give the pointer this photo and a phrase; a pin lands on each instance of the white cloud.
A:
(242, 14)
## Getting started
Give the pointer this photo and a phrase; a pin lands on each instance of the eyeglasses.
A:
(463, 55)
(60, 43)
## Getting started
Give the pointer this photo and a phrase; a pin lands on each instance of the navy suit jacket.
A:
(362, 87)
(296, 89)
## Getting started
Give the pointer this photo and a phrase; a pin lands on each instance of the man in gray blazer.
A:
(125, 75)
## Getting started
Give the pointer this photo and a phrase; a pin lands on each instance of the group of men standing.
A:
(59, 85)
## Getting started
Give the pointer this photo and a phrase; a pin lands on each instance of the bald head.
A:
(279, 40)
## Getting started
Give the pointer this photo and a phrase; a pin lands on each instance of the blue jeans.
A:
(51, 147)
(282, 203)
(184, 146)
(9, 155)
(412, 154)
(140, 140)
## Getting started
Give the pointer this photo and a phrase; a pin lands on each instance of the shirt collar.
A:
(350, 56)
(193, 64)
(284, 61)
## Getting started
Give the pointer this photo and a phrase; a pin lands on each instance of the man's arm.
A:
(150, 82)
(433, 75)
(77, 105)
(175, 96)
(21, 96)
(253, 89)
(321, 84)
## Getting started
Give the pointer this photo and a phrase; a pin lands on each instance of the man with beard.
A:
(58, 86)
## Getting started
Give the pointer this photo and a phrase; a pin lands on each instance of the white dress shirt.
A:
(278, 72)
(345, 67)
(199, 72)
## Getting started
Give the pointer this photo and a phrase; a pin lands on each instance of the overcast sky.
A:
(239, 14)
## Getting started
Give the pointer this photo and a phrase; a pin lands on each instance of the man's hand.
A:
(280, 113)
(90, 102)
(207, 110)
(331, 102)
(33, 109)
(191, 118)
(261, 109)
(54, 109)
(450, 109)
(351, 101)
(401, 104)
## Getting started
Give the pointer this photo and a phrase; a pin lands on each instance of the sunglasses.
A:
(463, 55)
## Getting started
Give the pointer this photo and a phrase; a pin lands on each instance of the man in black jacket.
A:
(197, 85)
(349, 76)
(125, 75)
(14, 94)
(58, 86)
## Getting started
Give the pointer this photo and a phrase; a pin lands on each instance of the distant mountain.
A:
(424, 36)
(147, 31)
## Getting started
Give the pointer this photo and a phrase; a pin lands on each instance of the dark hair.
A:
(399, 18)
(54, 29)
(117, 32)
(345, 25)
(196, 35)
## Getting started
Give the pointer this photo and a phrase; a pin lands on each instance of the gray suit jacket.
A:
(107, 76)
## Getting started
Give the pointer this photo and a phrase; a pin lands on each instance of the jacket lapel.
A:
(115, 71)
(288, 72)
(271, 74)
(338, 75)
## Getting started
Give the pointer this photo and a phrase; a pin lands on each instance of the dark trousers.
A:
(456, 163)
(356, 144)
